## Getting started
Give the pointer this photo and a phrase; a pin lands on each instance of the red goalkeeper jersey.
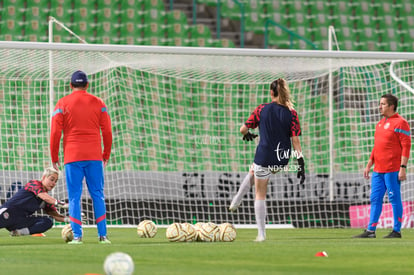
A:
(392, 140)
(81, 117)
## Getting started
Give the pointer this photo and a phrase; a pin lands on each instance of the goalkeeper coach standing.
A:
(81, 117)
(390, 155)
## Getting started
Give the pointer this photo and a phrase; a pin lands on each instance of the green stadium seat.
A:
(230, 9)
(130, 28)
(279, 18)
(176, 28)
(12, 24)
(13, 9)
(255, 16)
(108, 12)
(223, 43)
(153, 26)
(406, 27)
(153, 4)
(279, 38)
(200, 36)
(255, 21)
(107, 33)
(154, 34)
(318, 7)
(65, 6)
(152, 16)
(84, 18)
(89, 5)
(130, 15)
(36, 23)
(84, 11)
(341, 6)
(36, 31)
(176, 16)
(62, 10)
(108, 22)
(405, 10)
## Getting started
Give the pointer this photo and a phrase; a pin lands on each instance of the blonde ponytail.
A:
(280, 88)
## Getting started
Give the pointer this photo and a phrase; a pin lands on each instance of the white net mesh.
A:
(177, 153)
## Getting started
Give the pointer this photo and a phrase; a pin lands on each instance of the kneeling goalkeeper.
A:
(16, 214)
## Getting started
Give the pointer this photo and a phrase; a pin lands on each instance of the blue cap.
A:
(79, 77)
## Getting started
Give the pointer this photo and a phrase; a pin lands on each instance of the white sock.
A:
(244, 189)
(260, 212)
(23, 231)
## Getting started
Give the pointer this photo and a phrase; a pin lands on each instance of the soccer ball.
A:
(175, 233)
(197, 228)
(227, 232)
(208, 232)
(118, 263)
(147, 229)
(67, 233)
(190, 232)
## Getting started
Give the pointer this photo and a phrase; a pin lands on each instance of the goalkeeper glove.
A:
(301, 170)
(61, 204)
(249, 136)
(66, 219)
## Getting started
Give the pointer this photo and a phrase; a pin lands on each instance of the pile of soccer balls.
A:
(179, 232)
(186, 232)
(201, 232)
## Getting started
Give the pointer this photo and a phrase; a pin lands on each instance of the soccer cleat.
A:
(15, 233)
(234, 206)
(39, 235)
(260, 239)
(104, 240)
(76, 241)
(366, 234)
(393, 234)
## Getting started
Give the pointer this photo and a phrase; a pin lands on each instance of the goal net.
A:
(177, 153)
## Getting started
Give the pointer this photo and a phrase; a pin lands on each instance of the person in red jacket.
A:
(389, 156)
(82, 117)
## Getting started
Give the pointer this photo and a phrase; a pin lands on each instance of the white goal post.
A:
(177, 153)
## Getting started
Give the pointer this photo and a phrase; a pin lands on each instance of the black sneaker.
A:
(393, 234)
(366, 234)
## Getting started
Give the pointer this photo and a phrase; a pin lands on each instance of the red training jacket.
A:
(81, 116)
(392, 140)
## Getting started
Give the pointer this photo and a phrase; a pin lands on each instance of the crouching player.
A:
(16, 214)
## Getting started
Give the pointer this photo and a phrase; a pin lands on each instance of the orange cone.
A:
(321, 254)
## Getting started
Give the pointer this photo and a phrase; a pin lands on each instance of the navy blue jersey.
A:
(277, 124)
(25, 202)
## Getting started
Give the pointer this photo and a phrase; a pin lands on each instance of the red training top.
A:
(392, 140)
(81, 116)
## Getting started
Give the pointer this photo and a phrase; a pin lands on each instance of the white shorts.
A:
(264, 173)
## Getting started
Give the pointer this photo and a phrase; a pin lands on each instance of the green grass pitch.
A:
(287, 251)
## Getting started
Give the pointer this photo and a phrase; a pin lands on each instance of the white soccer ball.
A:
(118, 263)
(197, 228)
(67, 233)
(190, 232)
(175, 233)
(147, 229)
(208, 232)
(227, 232)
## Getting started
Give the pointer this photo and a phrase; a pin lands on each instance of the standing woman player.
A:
(279, 129)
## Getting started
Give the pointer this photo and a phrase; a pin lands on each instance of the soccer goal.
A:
(176, 113)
